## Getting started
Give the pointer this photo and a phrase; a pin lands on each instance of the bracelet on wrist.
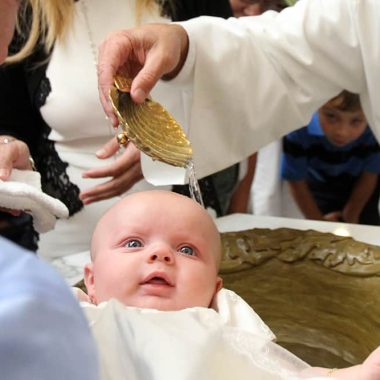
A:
(32, 163)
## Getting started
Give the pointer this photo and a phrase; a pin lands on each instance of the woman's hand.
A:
(125, 172)
(14, 154)
(145, 54)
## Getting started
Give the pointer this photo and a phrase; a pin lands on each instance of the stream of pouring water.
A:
(195, 191)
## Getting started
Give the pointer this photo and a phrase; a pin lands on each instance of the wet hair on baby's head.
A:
(146, 201)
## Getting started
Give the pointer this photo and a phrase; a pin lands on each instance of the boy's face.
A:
(245, 8)
(155, 250)
(341, 127)
(253, 7)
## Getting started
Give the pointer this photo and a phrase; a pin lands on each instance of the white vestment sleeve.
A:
(255, 79)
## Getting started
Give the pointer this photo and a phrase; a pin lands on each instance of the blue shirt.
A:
(308, 155)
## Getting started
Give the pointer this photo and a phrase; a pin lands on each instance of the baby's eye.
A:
(186, 250)
(133, 243)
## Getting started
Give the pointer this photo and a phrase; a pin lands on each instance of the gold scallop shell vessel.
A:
(150, 126)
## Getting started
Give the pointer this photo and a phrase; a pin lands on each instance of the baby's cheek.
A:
(105, 285)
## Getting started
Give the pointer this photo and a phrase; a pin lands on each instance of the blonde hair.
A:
(50, 21)
(143, 6)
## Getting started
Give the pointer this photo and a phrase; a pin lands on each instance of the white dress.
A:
(229, 341)
(78, 123)
(267, 74)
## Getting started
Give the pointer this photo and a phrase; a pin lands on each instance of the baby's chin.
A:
(160, 303)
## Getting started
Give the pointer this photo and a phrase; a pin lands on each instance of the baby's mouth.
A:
(157, 279)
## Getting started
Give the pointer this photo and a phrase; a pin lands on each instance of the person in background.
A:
(42, 88)
(255, 7)
(332, 165)
(52, 90)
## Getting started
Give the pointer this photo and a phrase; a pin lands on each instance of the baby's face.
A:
(155, 250)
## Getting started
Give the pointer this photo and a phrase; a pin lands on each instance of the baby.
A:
(155, 250)
(158, 253)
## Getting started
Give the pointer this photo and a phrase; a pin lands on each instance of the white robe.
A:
(227, 342)
(255, 79)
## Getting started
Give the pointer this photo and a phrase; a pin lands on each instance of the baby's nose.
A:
(163, 254)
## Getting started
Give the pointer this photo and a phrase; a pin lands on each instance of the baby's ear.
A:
(219, 284)
(89, 281)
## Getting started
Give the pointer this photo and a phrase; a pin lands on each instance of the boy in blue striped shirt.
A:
(332, 164)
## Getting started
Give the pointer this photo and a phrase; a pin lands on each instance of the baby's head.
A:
(342, 119)
(155, 249)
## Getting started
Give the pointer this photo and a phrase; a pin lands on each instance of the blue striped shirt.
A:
(308, 155)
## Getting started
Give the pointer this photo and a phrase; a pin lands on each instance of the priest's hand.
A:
(146, 54)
